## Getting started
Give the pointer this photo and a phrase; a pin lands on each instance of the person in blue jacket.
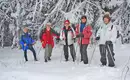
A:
(27, 43)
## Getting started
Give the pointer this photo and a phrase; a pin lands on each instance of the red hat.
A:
(66, 22)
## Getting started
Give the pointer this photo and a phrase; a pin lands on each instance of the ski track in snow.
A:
(13, 67)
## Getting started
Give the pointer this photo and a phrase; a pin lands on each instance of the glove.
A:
(42, 42)
(108, 42)
(74, 40)
(25, 44)
(97, 38)
(57, 39)
(77, 36)
(80, 35)
(33, 43)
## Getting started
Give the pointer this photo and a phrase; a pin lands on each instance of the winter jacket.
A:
(87, 32)
(26, 39)
(107, 32)
(70, 36)
(46, 37)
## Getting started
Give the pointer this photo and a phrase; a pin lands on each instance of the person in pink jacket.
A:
(83, 33)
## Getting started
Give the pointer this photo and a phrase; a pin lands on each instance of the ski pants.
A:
(72, 51)
(31, 49)
(107, 48)
(48, 51)
(83, 51)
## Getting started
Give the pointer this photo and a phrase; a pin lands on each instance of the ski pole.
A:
(110, 53)
(61, 57)
(80, 39)
(79, 50)
(126, 72)
(93, 53)
(3, 63)
(126, 65)
(74, 51)
(39, 51)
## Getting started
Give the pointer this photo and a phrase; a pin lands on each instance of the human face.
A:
(67, 24)
(25, 30)
(48, 27)
(83, 20)
(106, 20)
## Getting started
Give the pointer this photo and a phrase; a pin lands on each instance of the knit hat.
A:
(48, 23)
(66, 22)
(107, 13)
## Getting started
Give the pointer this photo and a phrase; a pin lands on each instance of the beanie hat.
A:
(48, 23)
(66, 22)
(107, 15)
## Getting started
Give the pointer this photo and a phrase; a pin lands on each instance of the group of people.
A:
(106, 36)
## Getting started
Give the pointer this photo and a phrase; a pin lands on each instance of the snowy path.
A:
(12, 66)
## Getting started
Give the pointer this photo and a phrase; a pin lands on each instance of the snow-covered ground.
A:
(13, 67)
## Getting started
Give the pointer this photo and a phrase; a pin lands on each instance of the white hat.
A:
(107, 13)
(48, 23)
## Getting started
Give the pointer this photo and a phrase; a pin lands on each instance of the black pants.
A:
(83, 51)
(31, 49)
(72, 51)
(107, 48)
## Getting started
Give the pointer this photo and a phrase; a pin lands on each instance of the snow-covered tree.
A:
(16, 14)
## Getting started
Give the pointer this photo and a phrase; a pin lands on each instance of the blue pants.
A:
(31, 49)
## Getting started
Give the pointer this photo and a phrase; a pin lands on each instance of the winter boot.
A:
(35, 60)
(49, 58)
(81, 60)
(85, 62)
(111, 65)
(46, 60)
(66, 60)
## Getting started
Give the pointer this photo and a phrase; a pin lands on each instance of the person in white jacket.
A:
(67, 36)
(107, 34)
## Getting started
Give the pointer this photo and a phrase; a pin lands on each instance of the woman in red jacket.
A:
(47, 41)
(83, 33)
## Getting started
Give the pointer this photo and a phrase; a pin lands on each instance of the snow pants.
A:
(72, 51)
(107, 48)
(34, 53)
(83, 51)
(48, 51)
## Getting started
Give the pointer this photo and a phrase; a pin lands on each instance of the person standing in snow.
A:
(27, 43)
(67, 34)
(83, 33)
(47, 41)
(107, 34)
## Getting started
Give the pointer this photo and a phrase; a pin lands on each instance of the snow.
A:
(13, 67)
(115, 2)
(37, 13)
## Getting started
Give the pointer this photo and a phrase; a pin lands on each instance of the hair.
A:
(83, 17)
(107, 16)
